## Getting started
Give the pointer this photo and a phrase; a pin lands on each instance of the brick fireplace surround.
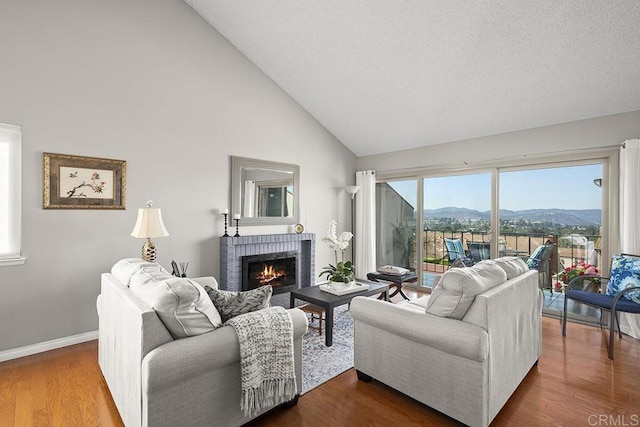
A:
(232, 249)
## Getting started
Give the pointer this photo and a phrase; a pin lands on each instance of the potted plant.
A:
(341, 274)
(582, 269)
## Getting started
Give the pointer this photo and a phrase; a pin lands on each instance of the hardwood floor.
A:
(61, 387)
(574, 384)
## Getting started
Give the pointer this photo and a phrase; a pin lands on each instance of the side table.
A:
(396, 281)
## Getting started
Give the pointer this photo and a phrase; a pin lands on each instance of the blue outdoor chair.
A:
(479, 251)
(456, 254)
(623, 293)
(539, 260)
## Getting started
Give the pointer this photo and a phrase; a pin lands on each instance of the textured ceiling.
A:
(386, 75)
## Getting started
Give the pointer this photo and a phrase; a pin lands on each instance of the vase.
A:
(340, 286)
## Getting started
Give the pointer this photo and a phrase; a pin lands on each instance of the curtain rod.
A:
(515, 160)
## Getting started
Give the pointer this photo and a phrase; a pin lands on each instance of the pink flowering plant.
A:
(580, 268)
(342, 271)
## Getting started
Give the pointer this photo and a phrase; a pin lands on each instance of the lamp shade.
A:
(149, 224)
(352, 190)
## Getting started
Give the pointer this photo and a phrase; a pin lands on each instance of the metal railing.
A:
(434, 250)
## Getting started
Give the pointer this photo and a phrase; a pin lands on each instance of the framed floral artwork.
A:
(77, 182)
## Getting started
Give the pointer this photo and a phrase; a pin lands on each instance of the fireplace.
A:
(233, 249)
(276, 269)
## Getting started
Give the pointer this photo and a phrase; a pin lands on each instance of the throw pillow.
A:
(625, 273)
(231, 304)
(513, 266)
(181, 304)
(126, 268)
(458, 287)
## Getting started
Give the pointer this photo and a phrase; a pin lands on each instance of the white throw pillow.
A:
(512, 265)
(125, 269)
(181, 303)
(458, 288)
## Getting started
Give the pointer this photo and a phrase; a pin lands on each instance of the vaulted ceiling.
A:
(387, 75)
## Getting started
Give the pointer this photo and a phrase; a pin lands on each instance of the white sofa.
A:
(465, 367)
(156, 380)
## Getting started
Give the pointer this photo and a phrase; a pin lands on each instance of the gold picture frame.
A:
(78, 182)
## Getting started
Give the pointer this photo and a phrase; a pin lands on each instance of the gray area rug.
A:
(321, 363)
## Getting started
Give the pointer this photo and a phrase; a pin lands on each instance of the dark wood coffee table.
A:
(329, 301)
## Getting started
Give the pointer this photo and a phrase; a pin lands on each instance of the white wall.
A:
(599, 132)
(149, 82)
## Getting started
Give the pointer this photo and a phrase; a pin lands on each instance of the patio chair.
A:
(479, 251)
(455, 253)
(539, 260)
(622, 295)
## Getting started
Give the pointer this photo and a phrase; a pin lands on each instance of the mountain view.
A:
(537, 221)
(566, 217)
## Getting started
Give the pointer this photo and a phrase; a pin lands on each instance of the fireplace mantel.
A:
(232, 249)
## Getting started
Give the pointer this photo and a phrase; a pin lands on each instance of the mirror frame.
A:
(237, 164)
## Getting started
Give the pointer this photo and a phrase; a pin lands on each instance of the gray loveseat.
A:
(156, 380)
(468, 357)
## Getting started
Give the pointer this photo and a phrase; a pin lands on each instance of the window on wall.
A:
(10, 201)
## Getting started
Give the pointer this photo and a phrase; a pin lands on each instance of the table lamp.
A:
(149, 224)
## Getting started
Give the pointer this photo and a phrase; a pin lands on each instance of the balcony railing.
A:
(569, 251)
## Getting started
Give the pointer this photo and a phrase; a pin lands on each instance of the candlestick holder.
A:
(237, 220)
(225, 225)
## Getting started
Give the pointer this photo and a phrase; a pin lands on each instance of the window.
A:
(518, 204)
(10, 201)
(396, 220)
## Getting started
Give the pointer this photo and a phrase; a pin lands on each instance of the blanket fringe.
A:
(271, 393)
(267, 359)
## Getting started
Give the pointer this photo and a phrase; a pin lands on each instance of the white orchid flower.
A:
(337, 243)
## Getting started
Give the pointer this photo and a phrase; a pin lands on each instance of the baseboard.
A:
(47, 345)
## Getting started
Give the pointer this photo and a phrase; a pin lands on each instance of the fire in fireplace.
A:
(275, 269)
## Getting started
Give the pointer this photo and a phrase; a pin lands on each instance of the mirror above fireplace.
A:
(264, 192)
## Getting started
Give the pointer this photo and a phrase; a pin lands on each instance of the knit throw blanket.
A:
(266, 358)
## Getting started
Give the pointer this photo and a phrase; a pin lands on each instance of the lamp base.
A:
(149, 251)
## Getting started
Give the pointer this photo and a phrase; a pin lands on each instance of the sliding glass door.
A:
(561, 206)
(396, 220)
(493, 212)
(457, 222)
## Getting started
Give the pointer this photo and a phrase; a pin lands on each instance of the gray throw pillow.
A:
(231, 304)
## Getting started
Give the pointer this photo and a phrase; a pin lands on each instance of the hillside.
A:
(567, 217)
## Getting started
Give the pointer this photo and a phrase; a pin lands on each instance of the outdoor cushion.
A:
(602, 300)
(458, 288)
(625, 273)
(534, 259)
(485, 252)
(455, 248)
(181, 304)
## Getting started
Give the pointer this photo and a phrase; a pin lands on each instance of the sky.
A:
(560, 188)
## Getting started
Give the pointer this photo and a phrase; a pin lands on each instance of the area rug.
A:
(321, 363)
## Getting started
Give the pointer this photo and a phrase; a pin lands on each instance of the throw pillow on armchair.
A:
(230, 304)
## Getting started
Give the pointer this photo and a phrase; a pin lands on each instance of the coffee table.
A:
(329, 301)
